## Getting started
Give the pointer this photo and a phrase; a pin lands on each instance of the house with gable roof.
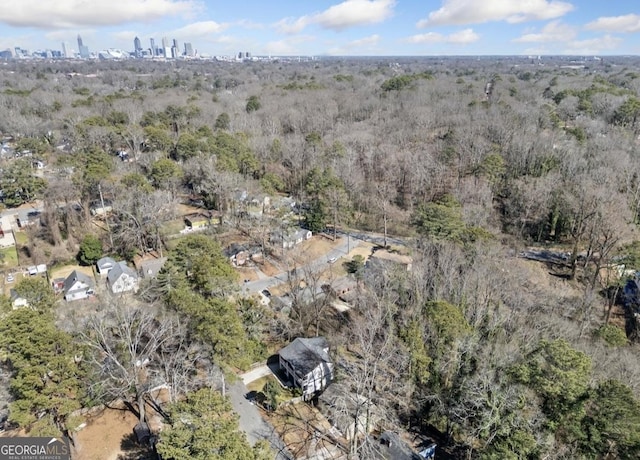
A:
(307, 363)
(122, 278)
(77, 286)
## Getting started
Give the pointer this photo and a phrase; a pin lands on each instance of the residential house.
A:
(6, 232)
(344, 288)
(287, 239)
(390, 258)
(197, 220)
(28, 217)
(17, 301)
(307, 363)
(121, 278)
(105, 265)
(150, 268)
(77, 286)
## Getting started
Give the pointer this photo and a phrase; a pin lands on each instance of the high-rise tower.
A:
(83, 50)
(137, 47)
(153, 46)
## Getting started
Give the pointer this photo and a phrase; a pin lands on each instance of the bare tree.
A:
(127, 345)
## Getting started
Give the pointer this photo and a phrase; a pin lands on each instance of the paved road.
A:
(252, 423)
(342, 249)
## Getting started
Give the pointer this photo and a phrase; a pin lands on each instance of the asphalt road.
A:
(252, 423)
(316, 265)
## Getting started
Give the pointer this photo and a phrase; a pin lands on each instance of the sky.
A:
(330, 27)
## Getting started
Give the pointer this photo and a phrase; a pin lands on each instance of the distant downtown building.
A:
(83, 50)
(153, 46)
(188, 50)
(137, 47)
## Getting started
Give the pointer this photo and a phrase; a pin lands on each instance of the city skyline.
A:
(329, 27)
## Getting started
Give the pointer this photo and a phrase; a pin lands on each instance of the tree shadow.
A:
(131, 450)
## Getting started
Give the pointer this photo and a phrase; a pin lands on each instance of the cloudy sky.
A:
(331, 27)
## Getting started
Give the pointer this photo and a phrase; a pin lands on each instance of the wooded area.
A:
(512, 183)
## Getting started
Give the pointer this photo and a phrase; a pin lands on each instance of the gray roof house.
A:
(77, 286)
(290, 238)
(105, 264)
(122, 278)
(151, 267)
(308, 364)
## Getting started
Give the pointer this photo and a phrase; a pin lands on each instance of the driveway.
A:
(252, 423)
(255, 374)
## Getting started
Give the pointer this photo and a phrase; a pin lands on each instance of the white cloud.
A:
(61, 14)
(198, 29)
(461, 12)
(124, 35)
(350, 13)
(593, 46)
(629, 23)
(355, 13)
(463, 37)
(555, 31)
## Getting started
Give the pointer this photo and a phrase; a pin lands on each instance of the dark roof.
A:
(76, 276)
(119, 269)
(306, 354)
(392, 447)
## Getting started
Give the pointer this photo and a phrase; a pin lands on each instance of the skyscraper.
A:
(188, 49)
(83, 50)
(166, 50)
(137, 47)
(153, 46)
(64, 50)
(174, 49)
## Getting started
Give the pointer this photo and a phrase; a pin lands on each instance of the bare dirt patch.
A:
(109, 436)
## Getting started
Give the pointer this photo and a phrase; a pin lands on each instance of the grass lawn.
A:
(258, 385)
(21, 238)
(9, 257)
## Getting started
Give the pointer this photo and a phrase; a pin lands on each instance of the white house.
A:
(17, 301)
(289, 238)
(307, 363)
(77, 286)
(122, 278)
